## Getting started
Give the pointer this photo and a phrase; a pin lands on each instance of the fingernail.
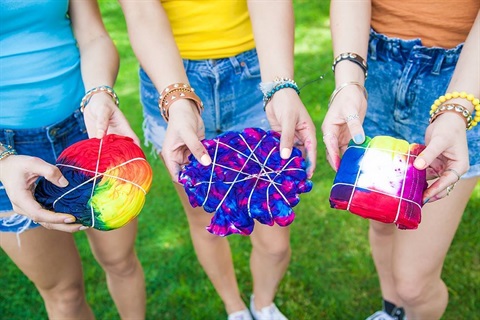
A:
(205, 160)
(69, 220)
(83, 228)
(359, 138)
(426, 201)
(420, 163)
(285, 153)
(63, 182)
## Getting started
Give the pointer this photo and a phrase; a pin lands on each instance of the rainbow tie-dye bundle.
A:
(247, 180)
(108, 182)
(377, 180)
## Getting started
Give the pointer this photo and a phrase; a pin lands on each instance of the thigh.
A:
(419, 254)
(48, 258)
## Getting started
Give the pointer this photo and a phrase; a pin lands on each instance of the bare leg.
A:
(420, 254)
(51, 261)
(213, 253)
(115, 251)
(269, 260)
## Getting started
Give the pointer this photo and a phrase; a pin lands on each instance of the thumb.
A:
(196, 148)
(287, 137)
(102, 124)
(50, 172)
(356, 130)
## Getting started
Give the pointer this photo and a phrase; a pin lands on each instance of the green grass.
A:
(331, 275)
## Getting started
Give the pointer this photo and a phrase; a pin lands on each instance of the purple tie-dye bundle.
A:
(377, 180)
(247, 180)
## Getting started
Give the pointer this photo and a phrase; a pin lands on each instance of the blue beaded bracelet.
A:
(278, 84)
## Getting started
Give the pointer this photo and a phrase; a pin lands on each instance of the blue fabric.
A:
(46, 143)
(404, 79)
(229, 89)
(39, 64)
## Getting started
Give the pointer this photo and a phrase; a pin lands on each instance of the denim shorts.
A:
(404, 79)
(46, 143)
(229, 89)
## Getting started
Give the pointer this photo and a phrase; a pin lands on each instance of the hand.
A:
(445, 156)
(343, 121)
(287, 115)
(184, 132)
(103, 116)
(18, 175)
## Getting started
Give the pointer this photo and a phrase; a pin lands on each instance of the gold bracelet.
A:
(175, 92)
(8, 151)
(453, 107)
(475, 114)
(88, 95)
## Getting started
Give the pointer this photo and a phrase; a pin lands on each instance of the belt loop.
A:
(437, 66)
(9, 137)
(372, 52)
(237, 66)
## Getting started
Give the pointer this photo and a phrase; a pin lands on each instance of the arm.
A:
(350, 26)
(273, 28)
(445, 138)
(152, 41)
(99, 63)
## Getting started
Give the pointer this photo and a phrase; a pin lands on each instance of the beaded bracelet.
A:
(474, 115)
(353, 57)
(174, 92)
(270, 88)
(9, 151)
(344, 85)
(88, 95)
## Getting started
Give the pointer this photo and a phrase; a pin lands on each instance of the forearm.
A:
(273, 29)
(152, 41)
(350, 28)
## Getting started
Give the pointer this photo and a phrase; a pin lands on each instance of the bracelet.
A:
(353, 57)
(88, 95)
(461, 110)
(270, 88)
(344, 85)
(474, 115)
(174, 92)
(9, 151)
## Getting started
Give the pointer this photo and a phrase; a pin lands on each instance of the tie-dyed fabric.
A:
(377, 180)
(247, 180)
(108, 182)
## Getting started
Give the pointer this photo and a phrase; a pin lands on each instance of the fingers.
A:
(50, 172)
(442, 187)
(311, 148)
(102, 123)
(355, 127)
(332, 150)
(288, 134)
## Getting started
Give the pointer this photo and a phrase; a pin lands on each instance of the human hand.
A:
(184, 132)
(102, 116)
(18, 175)
(445, 156)
(287, 115)
(343, 122)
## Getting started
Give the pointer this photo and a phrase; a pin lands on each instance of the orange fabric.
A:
(444, 23)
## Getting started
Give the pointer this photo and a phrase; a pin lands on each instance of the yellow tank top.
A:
(210, 29)
(438, 23)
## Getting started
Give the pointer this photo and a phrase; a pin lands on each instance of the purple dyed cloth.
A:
(247, 180)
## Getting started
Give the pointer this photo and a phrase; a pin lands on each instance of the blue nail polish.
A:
(359, 138)
(426, 201)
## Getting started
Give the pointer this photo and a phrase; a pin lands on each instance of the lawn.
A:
(331, 275)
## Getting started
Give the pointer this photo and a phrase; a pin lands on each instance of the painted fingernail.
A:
(205, 160)
(420, 163)
(426, 201)
(69, 220)
(359, 138)
(83, 228)
(285, 153)
(63, 182)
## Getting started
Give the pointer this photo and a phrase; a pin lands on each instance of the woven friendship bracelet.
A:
(270, 88)
(6, 150)
(175, 92)
(88, 95)
(353, 57)
(472, 118)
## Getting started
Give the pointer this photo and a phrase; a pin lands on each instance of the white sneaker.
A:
(380, 315)
(270, 312)
(240, 315)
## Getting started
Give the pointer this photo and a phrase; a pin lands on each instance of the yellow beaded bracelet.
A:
(470, 97)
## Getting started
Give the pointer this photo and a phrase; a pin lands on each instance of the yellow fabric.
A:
(210, 29)
(438, 23)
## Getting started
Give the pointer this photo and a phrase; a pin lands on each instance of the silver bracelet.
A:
(343, 86)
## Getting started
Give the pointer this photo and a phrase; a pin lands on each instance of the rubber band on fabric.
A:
(108, 181)
(270, 88)
(343, 86)
(175, 92)
(88, 95)
(377, 180)
(247, 180)
(473, 118)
